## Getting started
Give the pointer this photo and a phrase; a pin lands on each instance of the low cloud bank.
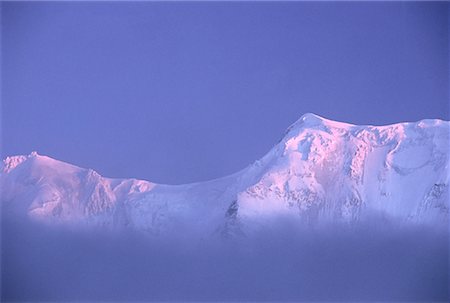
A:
(365, 263)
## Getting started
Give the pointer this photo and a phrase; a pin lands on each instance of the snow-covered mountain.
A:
(320, 172)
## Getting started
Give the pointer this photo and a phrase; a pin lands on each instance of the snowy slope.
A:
(320, 172)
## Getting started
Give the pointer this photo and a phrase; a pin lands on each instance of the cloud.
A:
(283, 264)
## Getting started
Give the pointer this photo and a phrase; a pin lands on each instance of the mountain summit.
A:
(320, 172)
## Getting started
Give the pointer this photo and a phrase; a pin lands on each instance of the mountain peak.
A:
(311, 118)
(321, 171)
(35, 161)
(310, 121)
(9, 163)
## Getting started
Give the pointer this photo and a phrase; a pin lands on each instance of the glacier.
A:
(321, 172)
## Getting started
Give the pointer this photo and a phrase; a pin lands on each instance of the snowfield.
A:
(321, 172)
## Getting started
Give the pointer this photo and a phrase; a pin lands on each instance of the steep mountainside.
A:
(320, 172)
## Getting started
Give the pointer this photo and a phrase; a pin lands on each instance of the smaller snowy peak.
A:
(36, 165)
(10, 163)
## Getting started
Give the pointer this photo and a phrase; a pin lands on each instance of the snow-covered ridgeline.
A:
(321, 171)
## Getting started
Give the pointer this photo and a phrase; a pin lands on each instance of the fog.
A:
(364, 263)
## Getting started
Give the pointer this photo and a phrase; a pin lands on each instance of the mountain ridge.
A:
(320, 171)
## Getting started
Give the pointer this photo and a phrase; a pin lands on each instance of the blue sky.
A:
(184, 92)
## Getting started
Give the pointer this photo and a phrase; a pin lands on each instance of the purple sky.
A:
(183, 92)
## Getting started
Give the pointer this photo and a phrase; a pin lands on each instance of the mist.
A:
(363, 263)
